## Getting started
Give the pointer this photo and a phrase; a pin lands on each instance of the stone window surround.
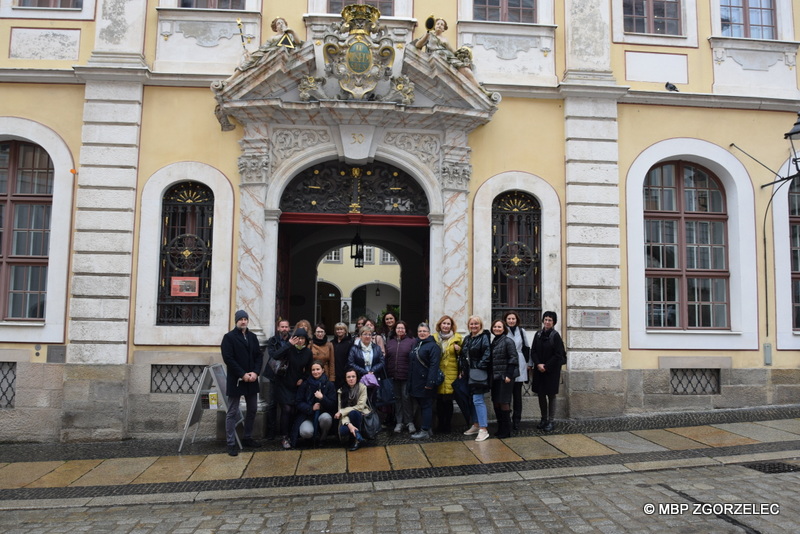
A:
(786, 337)
(688, 35)
(146, 331)
(482, 239)
(402, 8)
(743, 334)
(249, 5)
(545, 11)
(53, 327)
(9, 9)
(783, 20)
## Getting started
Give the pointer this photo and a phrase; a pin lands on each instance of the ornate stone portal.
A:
(354, 91)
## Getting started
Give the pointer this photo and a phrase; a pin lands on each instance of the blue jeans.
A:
(356, 418)
(464, 400)
(480, 410)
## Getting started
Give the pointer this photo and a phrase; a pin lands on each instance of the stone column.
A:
(251, 277)
(454, 255)
(596, 382)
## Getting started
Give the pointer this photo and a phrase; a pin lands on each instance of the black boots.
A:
(503, 424)
(542, 423)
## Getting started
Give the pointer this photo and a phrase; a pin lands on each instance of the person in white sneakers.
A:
(477, 352)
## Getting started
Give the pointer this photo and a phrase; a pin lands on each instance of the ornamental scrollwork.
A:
(426, 147)
(286, 142)
(254, 168)
(456, 176)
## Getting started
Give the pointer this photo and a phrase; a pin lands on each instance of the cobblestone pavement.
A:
(685, 501)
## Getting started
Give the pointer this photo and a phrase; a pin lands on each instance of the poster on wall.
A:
(184, 286)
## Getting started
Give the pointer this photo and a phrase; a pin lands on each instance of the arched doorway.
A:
(325, 206)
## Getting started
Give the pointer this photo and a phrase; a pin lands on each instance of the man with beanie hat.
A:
(243, 358)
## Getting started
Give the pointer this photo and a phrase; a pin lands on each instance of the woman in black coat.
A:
(476, 355)
(422, 377)
(316, 404)
(505, 368)
(548, 355)
(298, 357)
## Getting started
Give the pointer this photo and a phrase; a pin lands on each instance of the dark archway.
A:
(325, 205)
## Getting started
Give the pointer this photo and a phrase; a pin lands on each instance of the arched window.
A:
(184, 292)
(794, 233)
(516, 256)
(686, 248)
(26, 199)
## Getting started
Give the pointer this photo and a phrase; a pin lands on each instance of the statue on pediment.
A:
(284, 37)
(434, 42)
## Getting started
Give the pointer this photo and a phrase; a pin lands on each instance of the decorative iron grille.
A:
(694, 381)
(336, 187)
(184, 293)
(8, 382)
(516, 257)
(175, 378)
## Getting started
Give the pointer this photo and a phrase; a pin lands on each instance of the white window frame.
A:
(51, 330)
(333, 256)
(786, 337)
(146, 331)
(387, 258)
(545, 13)
(10, 9)
(688, 35)
(783, 22)
(743, 333)
(402, 8)
(369, 255)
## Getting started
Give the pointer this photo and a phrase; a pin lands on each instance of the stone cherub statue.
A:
(436, 43)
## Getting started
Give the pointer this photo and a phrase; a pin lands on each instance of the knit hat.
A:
(241, 314)
(301, 332)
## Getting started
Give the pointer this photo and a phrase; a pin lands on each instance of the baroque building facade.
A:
(164, 163)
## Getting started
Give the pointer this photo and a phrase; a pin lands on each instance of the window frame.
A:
(13, 10)
(333, 256)
(784, 28)
(545, 13)
(650, 18)
(787, 338)
(688, 36)
(682, 272)
(743, 331)
(746, 23)
(504, 10)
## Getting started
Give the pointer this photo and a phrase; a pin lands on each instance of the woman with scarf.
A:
(398, 348)
(476, 359)
(352, 409)
(505, 368)
(316, 404)
(518, 335)
(342, 343)
(450, 344)
(298, 357)
(548, 355)
(322, 350)
(422, 381)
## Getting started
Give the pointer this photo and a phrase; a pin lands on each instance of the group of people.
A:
(316, 382)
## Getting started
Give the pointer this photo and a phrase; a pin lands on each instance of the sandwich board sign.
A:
(211, 394)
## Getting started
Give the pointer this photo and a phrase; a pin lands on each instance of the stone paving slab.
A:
(625, 442)
(116, 471)
(455, 481)
(272, 463)
(788, 425)
(322, 461)
(492, 451)
(578, 445)
(670, 464)
(170, 469)
(534, 448)
(65, 474)
(408, 456)
(584, 470)
(221, 467)
(757, 457)
(449, 453)
(368, 459)
(21, 474)
(669, 440)
(757, 432)
(714, 437)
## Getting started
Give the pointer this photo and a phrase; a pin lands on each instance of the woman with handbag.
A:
(477, 362)
(505, 368)
(517, 334)
(342, 343)
(548, 355)
(424, 377)
(450, 344)
(352, 409)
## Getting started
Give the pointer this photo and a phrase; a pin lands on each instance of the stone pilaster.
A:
(588, 46)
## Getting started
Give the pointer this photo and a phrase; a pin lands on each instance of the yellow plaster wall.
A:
(36, 102)
(87, 28)
(758, 132)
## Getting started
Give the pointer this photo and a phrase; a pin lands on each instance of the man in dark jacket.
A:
(242, 356)
(274, 344)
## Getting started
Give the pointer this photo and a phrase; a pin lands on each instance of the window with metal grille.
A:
(386, 7)
(660, 17)
(516, 257)
(8, 382)
(504, 10)
(175, 378)
(794, 244)
(26, 199)
(184, 293)
(686, 250)
(694, 381)
(214, 4)
(754, 19)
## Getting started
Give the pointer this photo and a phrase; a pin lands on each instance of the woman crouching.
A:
(352, 408)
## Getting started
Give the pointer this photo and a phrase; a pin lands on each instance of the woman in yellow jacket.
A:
(450, 342)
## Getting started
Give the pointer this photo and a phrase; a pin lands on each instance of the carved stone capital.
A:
(455, 176)
(254, 168)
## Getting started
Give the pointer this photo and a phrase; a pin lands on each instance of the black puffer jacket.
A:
(505, 360)
(476, 354)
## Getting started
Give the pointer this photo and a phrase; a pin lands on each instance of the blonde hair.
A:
(476, 318)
